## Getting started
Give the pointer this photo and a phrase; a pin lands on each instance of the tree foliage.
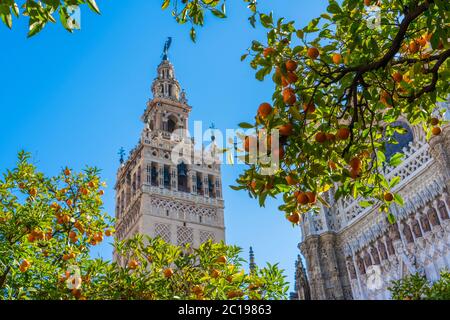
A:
(39, 13)
(417, 287)
(341, 84)
(49, 225)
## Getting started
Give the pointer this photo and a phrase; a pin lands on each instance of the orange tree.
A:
(39, 13)
(417, 287)
(49, 225)
(341, 84)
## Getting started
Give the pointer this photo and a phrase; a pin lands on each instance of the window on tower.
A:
(182, 177)
(167, 177)
(171, 124)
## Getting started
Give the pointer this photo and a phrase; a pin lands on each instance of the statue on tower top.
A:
(166, 48)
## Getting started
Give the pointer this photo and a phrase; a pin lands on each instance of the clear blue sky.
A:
(75, 99)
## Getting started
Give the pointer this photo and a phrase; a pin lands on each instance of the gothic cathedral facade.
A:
(353, 252)
(181, 202)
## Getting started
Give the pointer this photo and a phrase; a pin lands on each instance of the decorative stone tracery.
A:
(418, 240)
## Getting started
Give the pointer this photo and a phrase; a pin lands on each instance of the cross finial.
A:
(121, 154)
(166, 48)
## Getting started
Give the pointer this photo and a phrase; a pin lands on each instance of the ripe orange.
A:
(168, 272)
(413, 47)
(311, 197)
(133, 264)
(215, 273)
(67, 172)
(279, 153)
(434, 121)
(24, 266)
(291, 77)
(367, 2)
(264, 110)
(313, 53)
(31, 238)
(422, 41)
(268, 51)
(65, 218)
(33, 192)
(79, 226)
(291, 180)
(286, 130)
(330, 137)
(55, 206)
(355, 163)
(253, 185)
(294, 218)
(101, 192)
(234, 294)
(436, 131)
(76, 293)
(197, 289)
(332, 165)
(337, 58)
(108, 233)
(321, 137)
(91, 184)
(291, 65)
(98, 237)
(309, 107)
(72, 234)
(65, 257)
(398, 77)
(69, 202)
(302, 198)
(222, 259)
(343, 133)
(388, 197)
(354, 174)
(289, 96)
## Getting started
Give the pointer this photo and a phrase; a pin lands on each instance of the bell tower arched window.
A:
(171, 124)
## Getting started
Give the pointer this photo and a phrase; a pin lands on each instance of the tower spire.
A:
(252, 264)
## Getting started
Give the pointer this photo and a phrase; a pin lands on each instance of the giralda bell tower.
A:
(178, 201)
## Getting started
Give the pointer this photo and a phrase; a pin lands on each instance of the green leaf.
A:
(93, 6)
(398, 199)
(245, 125)
(396, 159)
(165, 4)
(193, 34)
(366, 204)
(394, 181)
(380, 155)
(218, 13)
(35, 28)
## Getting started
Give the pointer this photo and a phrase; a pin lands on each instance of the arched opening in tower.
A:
(171, 125)
(182, 177)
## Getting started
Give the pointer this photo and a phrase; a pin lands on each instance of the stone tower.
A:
(180, 201)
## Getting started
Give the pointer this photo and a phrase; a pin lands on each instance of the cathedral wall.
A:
(368, 252)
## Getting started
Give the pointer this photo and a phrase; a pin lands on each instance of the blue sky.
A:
(75, 99)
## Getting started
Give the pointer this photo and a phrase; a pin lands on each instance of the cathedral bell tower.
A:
(179, 201)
